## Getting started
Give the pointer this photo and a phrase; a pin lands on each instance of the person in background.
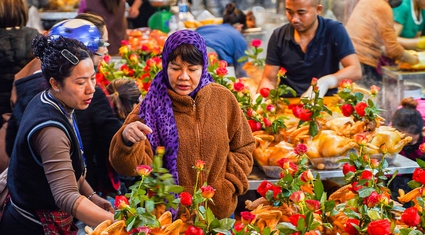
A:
(409, 121)
(371, 27)
(113, 12)
(146, 10)
(310, 46)
(250, 20)
(124, 94)
(48, 148)
(409, 23)
(15, 47)
(181, 112)
(226, 39)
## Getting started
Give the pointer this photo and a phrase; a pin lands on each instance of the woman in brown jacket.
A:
(194, 119)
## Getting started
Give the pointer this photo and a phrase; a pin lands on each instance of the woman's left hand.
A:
(102, 203)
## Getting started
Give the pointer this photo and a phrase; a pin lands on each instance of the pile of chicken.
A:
(335, 138)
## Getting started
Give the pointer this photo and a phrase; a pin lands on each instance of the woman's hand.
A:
(135, 132)
(102, 203)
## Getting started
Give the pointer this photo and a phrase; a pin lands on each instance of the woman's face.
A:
(77, 90)
(183, 77)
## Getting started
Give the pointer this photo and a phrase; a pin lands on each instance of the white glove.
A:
(323, 83)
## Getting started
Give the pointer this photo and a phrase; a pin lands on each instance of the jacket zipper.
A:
(198, 137)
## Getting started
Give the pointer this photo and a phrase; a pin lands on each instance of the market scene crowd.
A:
(150, 117)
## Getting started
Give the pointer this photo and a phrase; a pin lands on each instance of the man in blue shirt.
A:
(310, 46)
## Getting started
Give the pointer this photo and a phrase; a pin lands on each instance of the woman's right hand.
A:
(135, 132)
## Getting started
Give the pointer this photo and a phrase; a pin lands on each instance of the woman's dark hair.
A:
(95, 19)
(188, 53)
(407, 118)
(123, 93)
(58, 56)
(232, 15)
(13, 13)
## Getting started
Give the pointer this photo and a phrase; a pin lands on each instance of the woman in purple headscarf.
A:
(194, 119)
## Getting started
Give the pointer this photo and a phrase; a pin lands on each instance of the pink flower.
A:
(247, 217)
(222, 64)
(256, 43)
(374, 90)
(143, 170)
(312, 205)
(307, 176)
(297, 196)
(238, 86)
(200, 164)
(221, 72)
(314, 81)
(207, 191)
(300, 149)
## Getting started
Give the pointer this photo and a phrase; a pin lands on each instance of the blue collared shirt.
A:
(330, 45)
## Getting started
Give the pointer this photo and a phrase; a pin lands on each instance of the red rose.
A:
(305, 115)
(312, 205)
(185, 199)
(379, 227)
(221, 72)
(348, 168)
(314, 81)
(411, 217)
(270, 108)
(238, 86)
(296, 110)
(192, 230)
(422, 147)
(347, 109)
(247, 217)
(300, 149)
(222, 64)
(372, 200)
(264, 187)
(360, 108)
(256, 42)
(419, 175)
(207, 191)
(264, 92)
(355, 187)
(267, 122)
(239, 227)
(255, 126)
(349, 228)
(366, 175)
(276, 191)
(294, 219)
(121, 202)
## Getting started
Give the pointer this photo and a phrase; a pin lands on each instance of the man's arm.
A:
(351, 70)
(269, 78)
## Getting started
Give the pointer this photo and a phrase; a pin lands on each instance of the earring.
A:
(57, 90)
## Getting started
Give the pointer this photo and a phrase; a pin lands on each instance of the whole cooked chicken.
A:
(393, 140)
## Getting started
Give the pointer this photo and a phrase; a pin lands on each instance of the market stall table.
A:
(402, 164)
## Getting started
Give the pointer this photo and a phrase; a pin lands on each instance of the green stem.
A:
(141, 182)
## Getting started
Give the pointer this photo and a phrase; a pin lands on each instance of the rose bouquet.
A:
(149, 198)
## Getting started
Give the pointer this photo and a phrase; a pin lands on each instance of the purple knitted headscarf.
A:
(156, 108)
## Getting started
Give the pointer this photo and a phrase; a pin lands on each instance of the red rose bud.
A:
(419, 175)
(238, 86)
(307, 176)
(144, 48)
(282, 72)
(264, 187)
(239, 227)
(297, 196)
(124, 42)
(349, 228)
(347, 84)
(314, 81)
(366, 175)
(355, 187)
(255, 126)
(207, 191)
(305, 115)
(374, 90)
(185, 199)
(293, 219)
(106, 58)
(411, 217)
(250, 113)
(372, 200)
(379, 227)
(316, 89)
(384, 199)
(192, 230)
(292, 168)
(222, 64)
(212, 56)
(256, 42)
(347, 110)
(366, 158)
(270, 108)
(143, 170)
(276, 191)
(300, 149)
(360, 108)
(422, 147)
(247, 217)
(221, 72)
(121, 202)
(348, 168)
(283, 163)
(312, 205)
(264, 92)
(267, 122)
(134, 58)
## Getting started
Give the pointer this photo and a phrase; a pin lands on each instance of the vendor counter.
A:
(401, 164)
